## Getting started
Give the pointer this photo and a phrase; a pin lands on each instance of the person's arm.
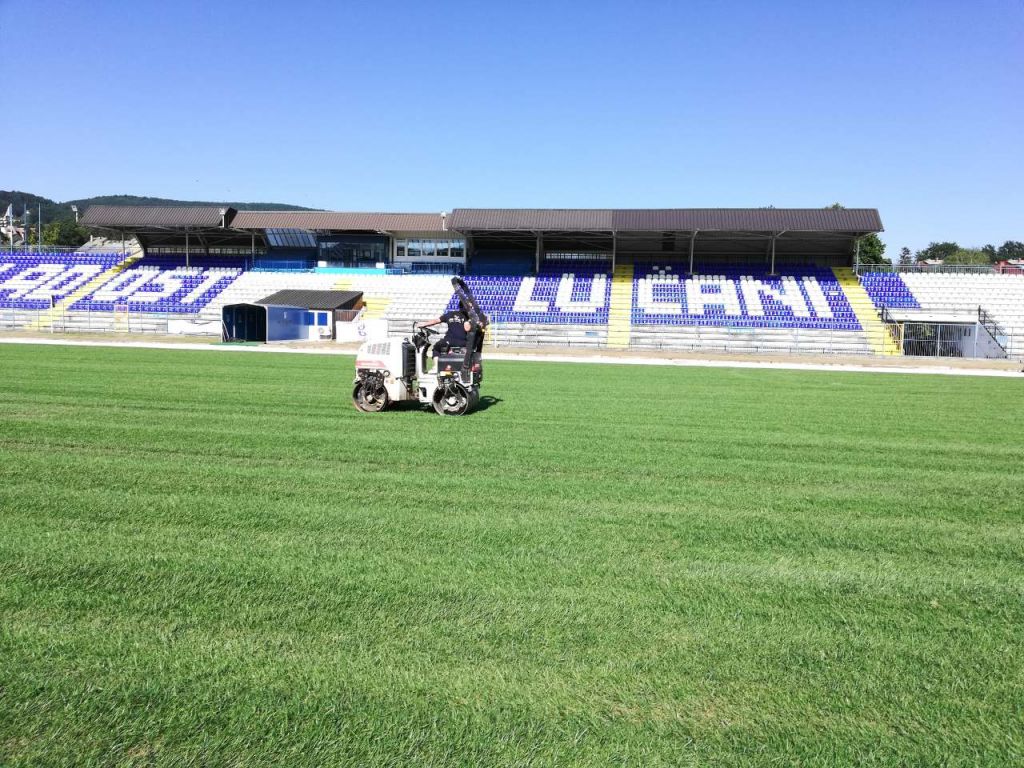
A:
(428, 323)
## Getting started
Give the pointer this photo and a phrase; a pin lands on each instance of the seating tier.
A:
(562, 293)
(182, 290)
(664, 295)
(253, 286)
(887, 289)
(1000, 295)
(33, 281)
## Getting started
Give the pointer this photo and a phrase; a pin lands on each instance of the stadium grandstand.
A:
(730, 280)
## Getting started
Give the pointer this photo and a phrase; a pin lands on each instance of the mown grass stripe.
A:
(214, 559)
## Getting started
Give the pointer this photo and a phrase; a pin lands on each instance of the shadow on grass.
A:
(409, 406)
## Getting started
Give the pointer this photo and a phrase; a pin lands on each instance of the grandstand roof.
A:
(142, 216)
(337, 220)
(853, 220)
(310, 299)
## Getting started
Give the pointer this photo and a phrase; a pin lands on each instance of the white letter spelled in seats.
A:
(124, 285)
(166, 283)
(209, 280)
(788, 294)
(724, 296)
(524, 298)
(66, 282)
(647, 301)
(565, 302)
(30, 279)
(817, 297)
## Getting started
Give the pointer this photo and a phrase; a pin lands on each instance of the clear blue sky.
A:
(915, 108)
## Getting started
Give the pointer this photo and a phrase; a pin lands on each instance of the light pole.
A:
(75, 209)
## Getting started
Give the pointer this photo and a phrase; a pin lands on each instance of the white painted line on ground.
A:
(781, 365)
(596, 358)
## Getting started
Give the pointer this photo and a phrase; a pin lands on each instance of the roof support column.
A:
(540, 251)
(693, 240)
(856, 257)
(186, 247)
(772, 270)
(615, 248)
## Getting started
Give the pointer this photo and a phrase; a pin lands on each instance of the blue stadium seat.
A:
(33, 280)
(741, 297)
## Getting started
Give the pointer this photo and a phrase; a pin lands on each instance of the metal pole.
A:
(693, 238)
(772, 272)
(39, 227)
(615, 247)
(186, 247)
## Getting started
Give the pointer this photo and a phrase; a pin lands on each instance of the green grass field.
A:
(213, 560)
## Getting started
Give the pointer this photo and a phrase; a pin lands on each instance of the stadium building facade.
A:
(490, 240)
(735, 280)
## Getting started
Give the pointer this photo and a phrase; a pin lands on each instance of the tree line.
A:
(872, 251)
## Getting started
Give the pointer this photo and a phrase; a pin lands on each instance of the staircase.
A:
(58, 310)
(620, 307)
(374, 306)
(878, 336)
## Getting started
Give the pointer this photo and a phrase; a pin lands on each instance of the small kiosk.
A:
(290, 315)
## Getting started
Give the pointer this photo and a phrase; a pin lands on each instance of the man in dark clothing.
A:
(466, 325)
(463, 333)
(459, 328)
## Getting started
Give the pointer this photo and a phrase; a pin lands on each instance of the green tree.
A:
(906, 259)
(990, 251)
(937, 251)
(64, 232)
(968, 256)
(1011, 249)
(871, 250)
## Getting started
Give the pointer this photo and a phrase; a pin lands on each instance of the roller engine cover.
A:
(451, 363)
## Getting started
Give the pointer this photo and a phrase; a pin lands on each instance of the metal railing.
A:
(915, 340)
(117, 321)
(428, 268)
(995, 330)
(724, 339)
(971, 269)
(930, 338)
(32, 250)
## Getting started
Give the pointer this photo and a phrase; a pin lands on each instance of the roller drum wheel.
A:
(369, 401)
(455, 400)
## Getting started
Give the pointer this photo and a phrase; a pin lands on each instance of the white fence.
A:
(163, 323)
(790, 341)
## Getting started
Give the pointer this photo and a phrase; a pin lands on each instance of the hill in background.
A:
(53, 210)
